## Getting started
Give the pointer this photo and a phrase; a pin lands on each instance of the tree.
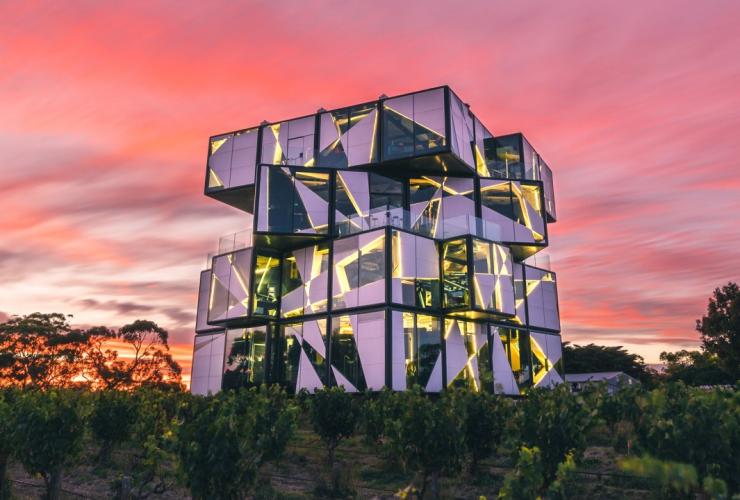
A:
(41, 351)
(334, 417)
(720, 328)
(151, 362)
(48, 431)
(595, 358)
(694, 368)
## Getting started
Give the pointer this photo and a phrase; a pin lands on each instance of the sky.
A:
(106, 109)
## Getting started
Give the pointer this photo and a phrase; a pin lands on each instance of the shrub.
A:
(485, 418)
(427, 437)
(527, 478)
(334, 417)
(215, 448)
(112, 420)
(49, 427)
(556, 422)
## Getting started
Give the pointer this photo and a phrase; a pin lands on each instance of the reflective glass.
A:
(456, 289)
(244, 360)
(414, 124)
(266, 285)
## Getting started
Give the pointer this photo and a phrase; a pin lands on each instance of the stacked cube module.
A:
(388, 244)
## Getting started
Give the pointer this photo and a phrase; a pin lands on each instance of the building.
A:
(387, 244)
(612, 380)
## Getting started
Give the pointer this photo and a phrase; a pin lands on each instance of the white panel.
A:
(307, 377)
(457, 354)
(435, 378)
(370, 341)
(312, 336)
(399, 351)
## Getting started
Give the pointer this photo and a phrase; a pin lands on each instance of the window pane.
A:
(266, 283)
(455, 272)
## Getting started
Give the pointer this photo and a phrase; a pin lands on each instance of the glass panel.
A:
(456, 289)
(266, 283)
(414, 124)
(463, 341)
(372, 268)
(422, 347)
(208, 359)
(508, 157)
(346, 274)
(232, 160)
(516, 344)
(426, 205)
(301, 355)
(484, 151)
(496, 206)
(347, 137)
(244, 363)
(461, 129)
(415, 271)
(230, 280)
(528, 214)
(289, 143)
(345, 360)
(292, 201)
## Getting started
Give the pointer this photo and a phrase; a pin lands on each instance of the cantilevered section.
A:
(386, 244)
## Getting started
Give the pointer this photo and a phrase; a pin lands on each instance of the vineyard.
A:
(670, 442)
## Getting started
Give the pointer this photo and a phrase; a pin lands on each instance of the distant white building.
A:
(613, 380)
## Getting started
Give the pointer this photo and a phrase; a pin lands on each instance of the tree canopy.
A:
(596, 358)
(43, 351)
(720, 328)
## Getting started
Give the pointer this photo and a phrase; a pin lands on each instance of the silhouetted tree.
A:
(596, 358)
(720, 328)
(41, 351)
(151, 363)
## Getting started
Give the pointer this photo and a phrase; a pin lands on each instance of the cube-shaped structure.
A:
(387, 244)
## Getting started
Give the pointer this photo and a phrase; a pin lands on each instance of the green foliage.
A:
(215, 447)
(668, 478)
(7, 428)
(556, 422)
(527, 479)
(112, 419)
(276, 420)
(334, 417)
(377, 409)
(694, 368)
(486, 420)
(694, 426)
(720, 328)
(565, 484)
(49, 427)
(151, 439)
(595, 358)
(427, 436)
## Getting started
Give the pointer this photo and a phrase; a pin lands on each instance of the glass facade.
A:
(244, 358)
(347, 137)
(414, 124)
(293, 201)
(389, 246)
(415, 273)
(289, 143)
(359, 270)
(232, 160)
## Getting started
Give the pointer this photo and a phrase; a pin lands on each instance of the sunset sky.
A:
(106, 109)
